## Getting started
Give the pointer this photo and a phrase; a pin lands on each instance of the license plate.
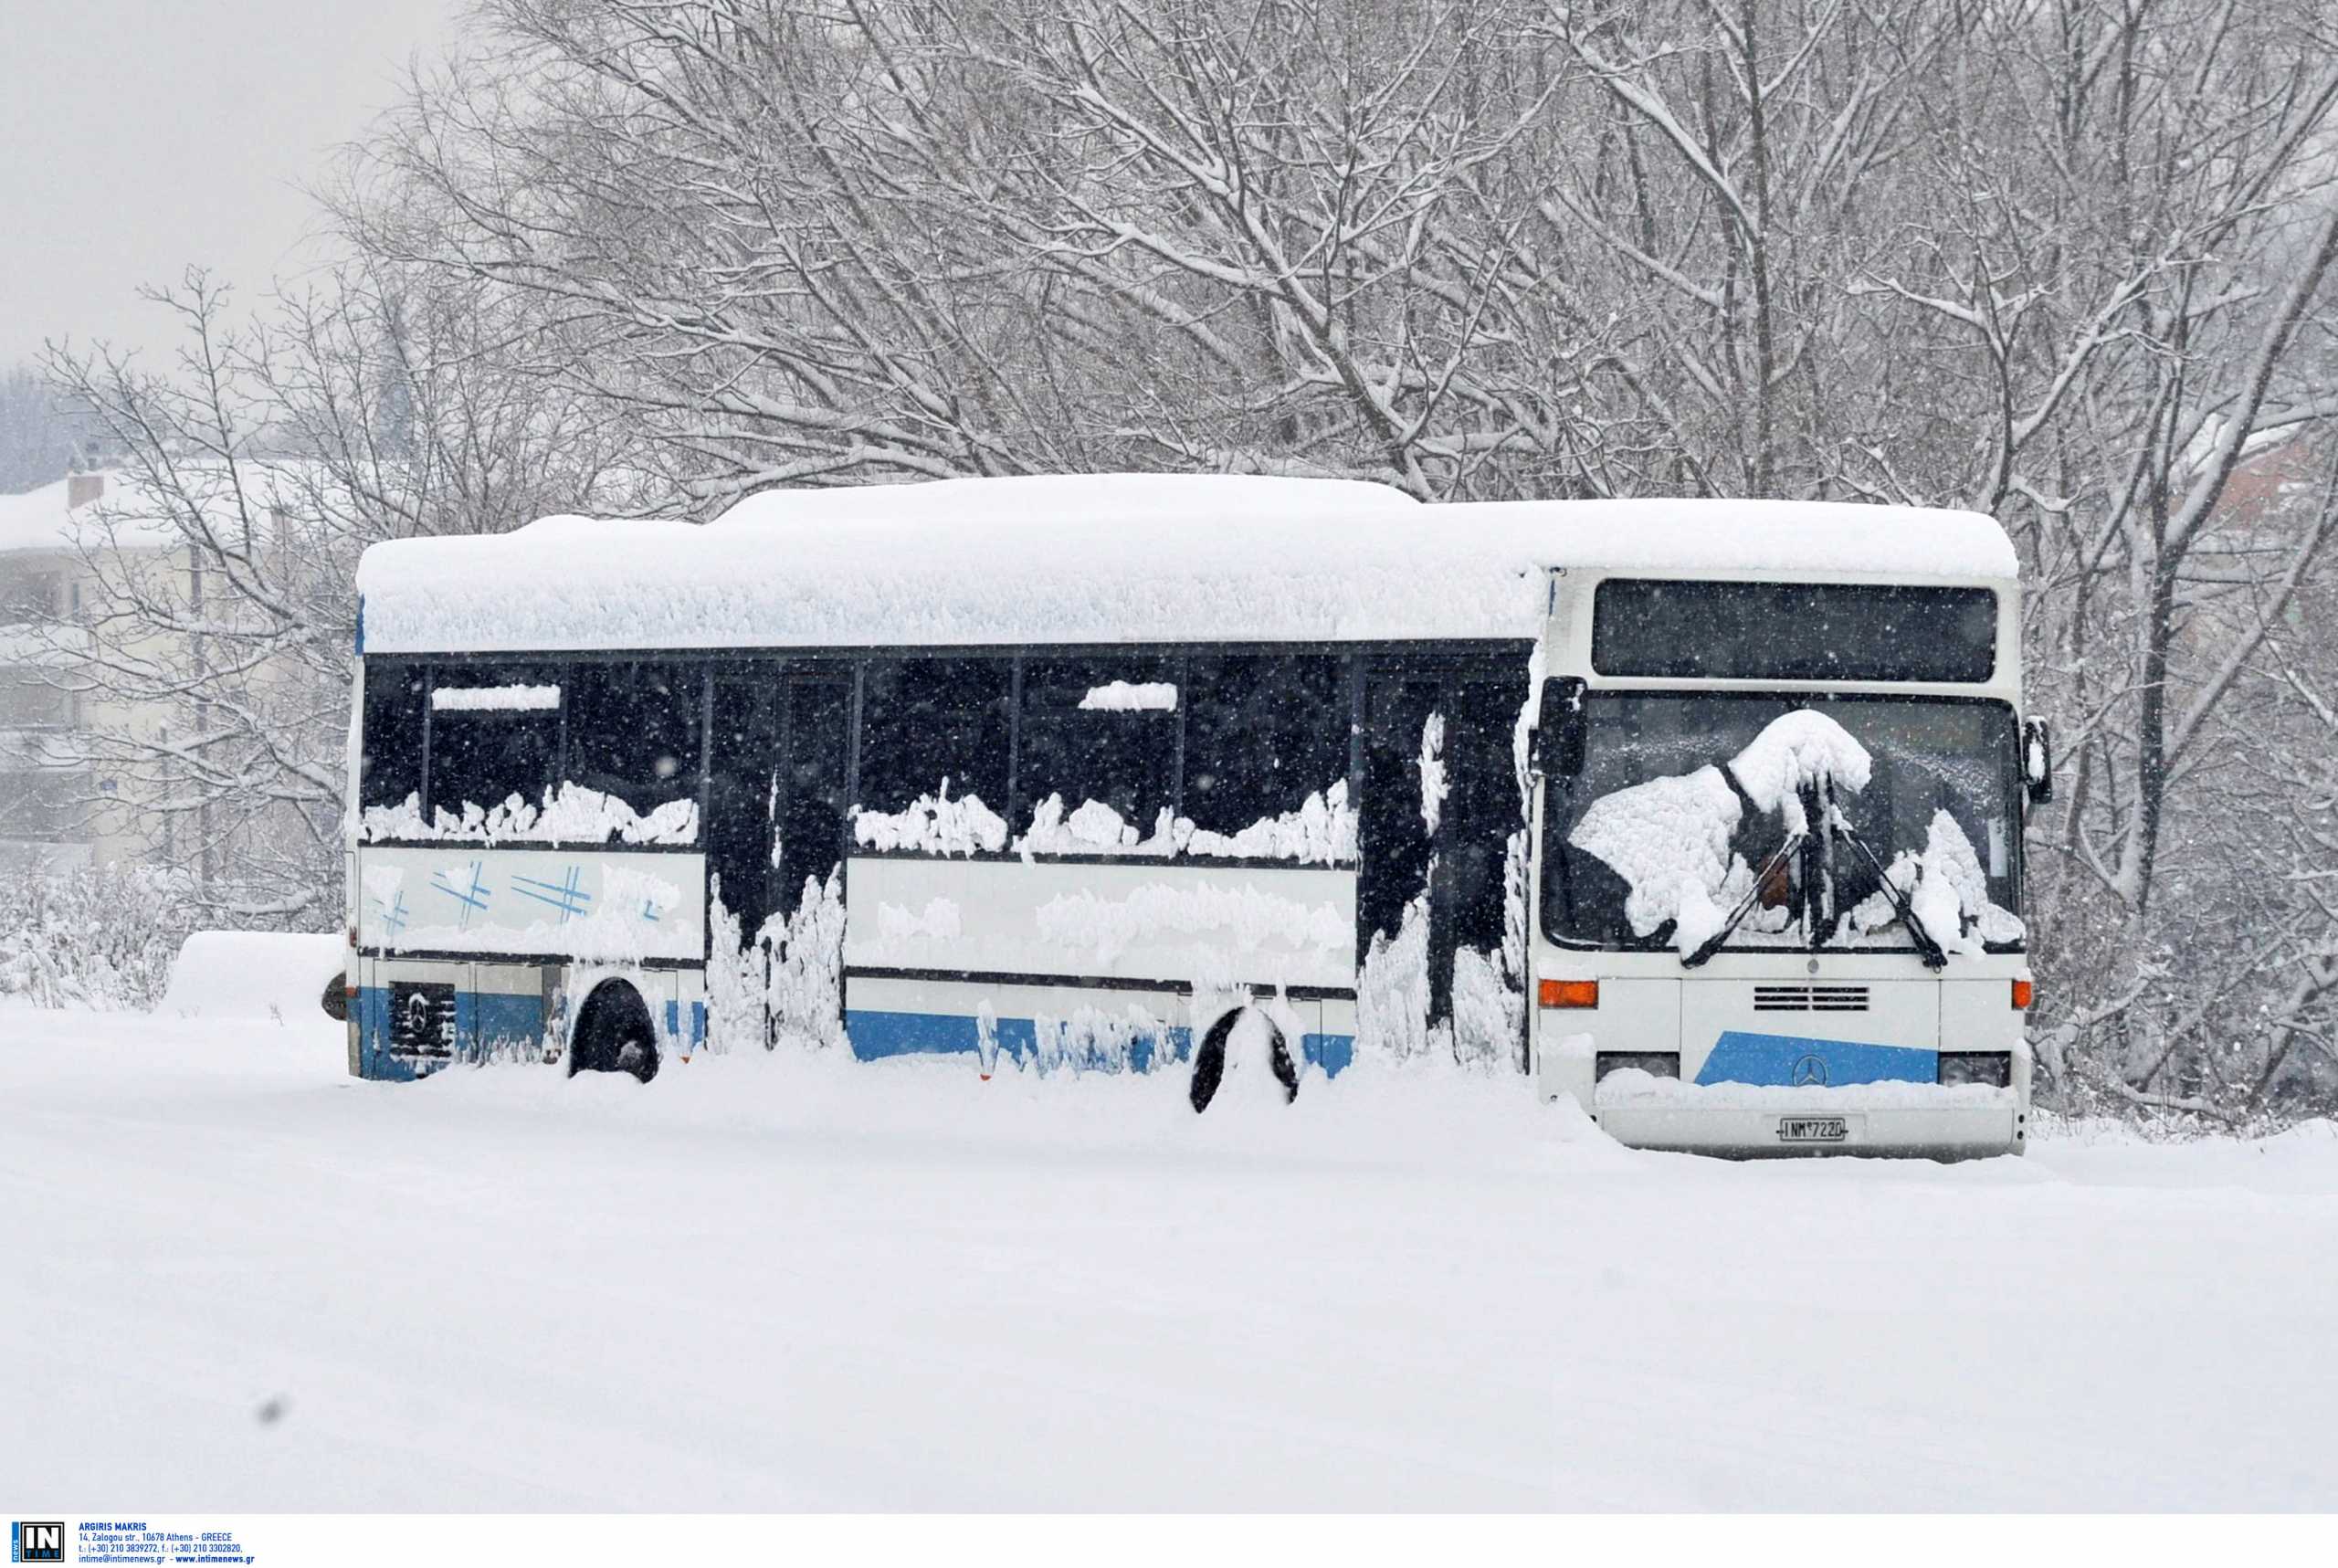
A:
(1813, 1128)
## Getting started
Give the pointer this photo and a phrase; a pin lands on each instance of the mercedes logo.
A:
(1810, 1070)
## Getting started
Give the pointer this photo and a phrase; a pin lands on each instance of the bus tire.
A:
(1209, 1061)
(614, 1033)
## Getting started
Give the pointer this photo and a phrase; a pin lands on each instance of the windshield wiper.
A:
(1712, 943)
(1934, 955)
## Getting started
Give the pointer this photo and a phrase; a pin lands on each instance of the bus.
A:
(1705, 814)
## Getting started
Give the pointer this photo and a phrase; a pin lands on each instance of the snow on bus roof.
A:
(1103, 558)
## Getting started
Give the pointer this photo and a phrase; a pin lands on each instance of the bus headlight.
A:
(1655, 1064)
(1993, 1068)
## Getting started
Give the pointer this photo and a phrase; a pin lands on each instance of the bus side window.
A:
(633, 730)
(391, 766)
(926, 720)
(506, 745)
(1100, 729)
(1263, 732)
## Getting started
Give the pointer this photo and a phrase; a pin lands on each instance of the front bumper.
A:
(1813, 1125)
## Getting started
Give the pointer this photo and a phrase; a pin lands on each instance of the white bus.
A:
(1707, 814)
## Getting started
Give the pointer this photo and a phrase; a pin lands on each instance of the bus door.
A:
(774, 837)
(1438, 807)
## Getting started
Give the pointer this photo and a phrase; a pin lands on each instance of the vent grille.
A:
(1810, 998)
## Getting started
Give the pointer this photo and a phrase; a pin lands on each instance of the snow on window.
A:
(1671, 840)
(1322, 830)
(1433, 782)
(1668, 839)
(932, 824)
(1794, 749)
(1131, 697)
(1948, 890)
(572, 814)
(1092, 828)
(499, 699)
(1912, 757)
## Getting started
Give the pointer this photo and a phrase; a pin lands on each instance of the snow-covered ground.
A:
(795, 1282)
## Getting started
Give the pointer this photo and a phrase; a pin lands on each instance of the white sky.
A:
(137, 136)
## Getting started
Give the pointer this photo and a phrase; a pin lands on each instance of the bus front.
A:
(1778, 891)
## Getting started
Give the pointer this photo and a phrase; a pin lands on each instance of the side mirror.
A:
(1559, 728)
(2038, 761)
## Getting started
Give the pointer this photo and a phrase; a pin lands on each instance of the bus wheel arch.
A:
(1209, 1057)
(614, 1032)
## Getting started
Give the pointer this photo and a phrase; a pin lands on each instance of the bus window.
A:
(811, 797)
(390, 769)
(494, 733)
(926, 720)
(742, 782)
(633, 730)
(1793, 631)
(1101, 731)
(1263, 732)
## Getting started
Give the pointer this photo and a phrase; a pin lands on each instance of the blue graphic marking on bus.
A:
(473, 895)
(565, 895)
(1795, 1061)
(393, 913)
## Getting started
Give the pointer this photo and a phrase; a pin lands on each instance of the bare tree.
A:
(40, 439)
(214, 642)
(2065, 262)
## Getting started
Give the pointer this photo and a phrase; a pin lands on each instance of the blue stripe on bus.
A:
(486, 1022)
(373, 1058)
(876, 1035)
(1786, 1059)
(504, 1022)
(1330, 1052)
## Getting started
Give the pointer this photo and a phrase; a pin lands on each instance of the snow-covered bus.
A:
(1707, 814)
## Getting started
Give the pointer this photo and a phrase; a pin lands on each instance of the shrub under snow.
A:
(100, 937)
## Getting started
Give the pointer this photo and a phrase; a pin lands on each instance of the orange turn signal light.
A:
(2022, 991)
(1568, 992)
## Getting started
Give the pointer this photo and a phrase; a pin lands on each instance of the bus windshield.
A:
(1676, 818)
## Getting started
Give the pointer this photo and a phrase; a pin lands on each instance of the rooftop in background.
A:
(70, 513)
(1105, 558)
(45, 519)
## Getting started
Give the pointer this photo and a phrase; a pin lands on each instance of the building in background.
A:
(54, 808)
(62, 803)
